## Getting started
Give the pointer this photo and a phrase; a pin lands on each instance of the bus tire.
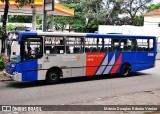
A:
(125, 70)
(53, 76)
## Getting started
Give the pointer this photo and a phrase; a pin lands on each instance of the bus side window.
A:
(151, 45)
(47, 49)
(142, 45)
(74, 45)
(127, 45)
(93, 45)
(54, 45)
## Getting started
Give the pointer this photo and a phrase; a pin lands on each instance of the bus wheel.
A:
(52, 77)
(125, 70)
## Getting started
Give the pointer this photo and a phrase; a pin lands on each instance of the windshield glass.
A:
(13, 51)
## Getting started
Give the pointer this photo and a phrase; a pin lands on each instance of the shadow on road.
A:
(70, 80)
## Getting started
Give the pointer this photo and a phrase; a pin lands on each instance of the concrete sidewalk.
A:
(1, 72)
(2, 77)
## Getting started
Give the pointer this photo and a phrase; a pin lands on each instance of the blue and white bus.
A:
(50, 56)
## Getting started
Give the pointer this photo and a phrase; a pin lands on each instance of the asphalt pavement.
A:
(139, 88)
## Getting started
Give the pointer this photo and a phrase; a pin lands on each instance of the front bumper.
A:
(16, 77)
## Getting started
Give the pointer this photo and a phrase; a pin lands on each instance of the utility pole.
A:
(50, 7)
(34, 19)
(44, 23)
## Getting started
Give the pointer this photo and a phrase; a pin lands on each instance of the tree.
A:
(133, 7)
(101, 11)
(5, 17)
(138, 21)
(4, 23)
(113, 9)
(69, 1)
(93, 11)
(77, 22)
(20, 19)
(10, 27)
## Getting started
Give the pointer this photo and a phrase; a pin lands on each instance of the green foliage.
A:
(1, 61)
(69, 1)
(133, 7)
(20, 19)
(76, 23)
(138, 21)
(5, 17)
(10, 27)
(91, 13)
(21, 3)
(153, 7)
(39, 20)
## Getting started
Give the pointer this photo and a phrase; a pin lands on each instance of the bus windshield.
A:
(13, 51)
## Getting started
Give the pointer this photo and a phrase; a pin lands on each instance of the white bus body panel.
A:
(72, 65)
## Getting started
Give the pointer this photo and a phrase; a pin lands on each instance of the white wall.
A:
(152, 21)
(127, 29)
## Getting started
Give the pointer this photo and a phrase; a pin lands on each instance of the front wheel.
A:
(125, 70)
(52, 77)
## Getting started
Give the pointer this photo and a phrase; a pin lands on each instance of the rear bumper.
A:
(16, 77)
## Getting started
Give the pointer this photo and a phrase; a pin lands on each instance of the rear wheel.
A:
(52, 77)
(125, 70)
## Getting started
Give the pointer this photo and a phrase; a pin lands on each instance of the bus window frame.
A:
(93, 45)
(148, 46)
(23, 47)
(83, 44)
(53, 45)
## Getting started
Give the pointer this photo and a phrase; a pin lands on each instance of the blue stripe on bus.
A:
(117, 55)
(110, 56)
(101, 64)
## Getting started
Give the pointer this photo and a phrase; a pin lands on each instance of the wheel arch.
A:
(126, 63)
(55, 68)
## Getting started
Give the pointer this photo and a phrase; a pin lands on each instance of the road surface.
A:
(76, 90)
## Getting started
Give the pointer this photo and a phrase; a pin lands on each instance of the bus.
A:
(50, 56)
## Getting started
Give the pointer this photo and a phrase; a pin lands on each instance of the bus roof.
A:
(92, 35)
(120, 36)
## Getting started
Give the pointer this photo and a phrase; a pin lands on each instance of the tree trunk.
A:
(4, 24)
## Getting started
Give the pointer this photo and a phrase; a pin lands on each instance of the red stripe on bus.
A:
(115, 68)
(93, 60)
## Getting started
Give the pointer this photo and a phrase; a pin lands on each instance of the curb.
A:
(1, 72)
(2, 77)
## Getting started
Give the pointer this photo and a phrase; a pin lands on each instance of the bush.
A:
(10, 27)
(1, 61)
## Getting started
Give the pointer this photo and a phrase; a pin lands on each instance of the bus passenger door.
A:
(32, 49)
